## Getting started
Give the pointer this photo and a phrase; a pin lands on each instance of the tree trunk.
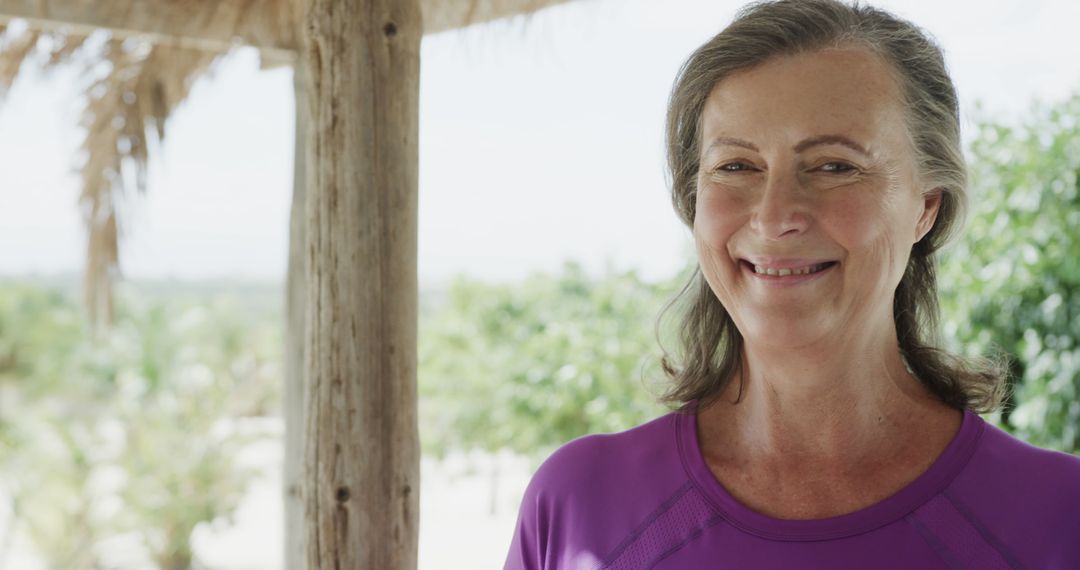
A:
(296, 321)
(362, 448)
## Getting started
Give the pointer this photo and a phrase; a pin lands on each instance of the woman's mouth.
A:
(785, 271)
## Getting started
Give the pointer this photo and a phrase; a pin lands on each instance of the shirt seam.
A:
(693, 536)
(982, 530)
(931, 539)
(641, 528)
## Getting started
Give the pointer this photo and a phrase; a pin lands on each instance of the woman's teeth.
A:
(790, 271)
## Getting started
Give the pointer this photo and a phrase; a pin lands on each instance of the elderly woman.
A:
(814, 151)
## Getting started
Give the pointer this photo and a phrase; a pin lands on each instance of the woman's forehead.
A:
(840, 89)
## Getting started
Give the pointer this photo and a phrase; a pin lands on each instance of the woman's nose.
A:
(780, 211)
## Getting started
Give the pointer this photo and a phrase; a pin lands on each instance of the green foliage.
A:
(1013, 282)
(531, 366)
(136, 432)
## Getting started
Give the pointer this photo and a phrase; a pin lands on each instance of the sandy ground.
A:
(458, 529)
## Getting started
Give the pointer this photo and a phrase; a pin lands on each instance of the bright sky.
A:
(540, 141)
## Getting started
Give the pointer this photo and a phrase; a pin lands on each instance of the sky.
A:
(541, 141)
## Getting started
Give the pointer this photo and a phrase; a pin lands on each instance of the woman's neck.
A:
(837, 407)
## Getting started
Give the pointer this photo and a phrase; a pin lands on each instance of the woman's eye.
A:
(836, 167)
(734, 167)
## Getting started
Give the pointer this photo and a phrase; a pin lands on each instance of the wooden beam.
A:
(362, 482)
(219, 24)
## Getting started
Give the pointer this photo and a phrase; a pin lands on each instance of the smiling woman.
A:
(814, 151)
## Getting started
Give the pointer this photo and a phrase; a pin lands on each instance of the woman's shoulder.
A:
(1005, 456)
(592, 493)
(640, 451)
(623, 475)
(1023, 497)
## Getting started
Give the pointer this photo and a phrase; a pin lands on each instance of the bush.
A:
(1013, 282)
(132, 433)
(528, 367)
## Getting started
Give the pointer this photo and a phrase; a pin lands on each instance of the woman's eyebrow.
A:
(831, 139)
(802, 146)
(729, 141)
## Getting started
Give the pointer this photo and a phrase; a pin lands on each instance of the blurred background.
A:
(547, 249)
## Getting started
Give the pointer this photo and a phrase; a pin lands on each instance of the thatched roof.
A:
(271, 25)
(156, 50)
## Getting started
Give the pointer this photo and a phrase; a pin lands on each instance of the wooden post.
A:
(362, 449)
(295, 337)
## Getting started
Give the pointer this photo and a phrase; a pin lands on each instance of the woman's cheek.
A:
(711, 267)
(715, 224)
(715, 219)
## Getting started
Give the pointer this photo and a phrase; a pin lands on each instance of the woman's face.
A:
(808, 197)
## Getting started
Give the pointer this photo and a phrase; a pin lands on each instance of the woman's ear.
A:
(930, 206)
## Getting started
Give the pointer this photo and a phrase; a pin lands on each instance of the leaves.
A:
(530, 367)
(1013, 282)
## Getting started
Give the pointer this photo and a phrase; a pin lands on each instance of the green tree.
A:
(528, 367)
(1013, 282)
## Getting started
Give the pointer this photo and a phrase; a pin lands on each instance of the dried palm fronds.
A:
(15, 49)
(130, 103)
(124, 106)
(64, 47)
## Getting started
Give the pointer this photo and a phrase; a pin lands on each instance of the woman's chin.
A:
(784, 333)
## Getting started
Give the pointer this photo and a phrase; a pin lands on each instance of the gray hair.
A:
(710, 348)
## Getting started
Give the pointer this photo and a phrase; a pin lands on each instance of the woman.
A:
(815, 153)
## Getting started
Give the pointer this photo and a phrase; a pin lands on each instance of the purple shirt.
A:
(644, 498)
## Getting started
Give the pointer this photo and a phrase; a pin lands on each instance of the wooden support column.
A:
(295, 338)
(362, 451)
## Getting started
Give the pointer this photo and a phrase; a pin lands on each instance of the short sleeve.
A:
(527, 545)
(591, 494)
(546, 523)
